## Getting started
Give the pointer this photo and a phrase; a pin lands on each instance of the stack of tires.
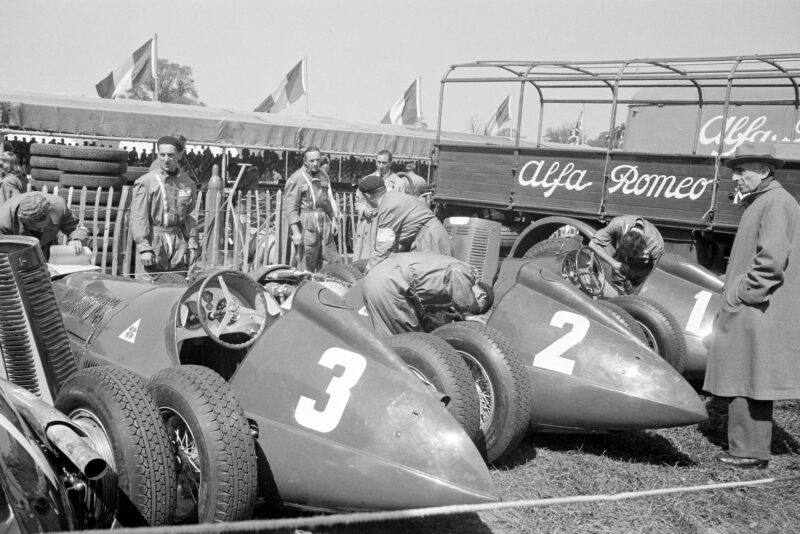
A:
(92, 167)
(134, 173)
(44, 166)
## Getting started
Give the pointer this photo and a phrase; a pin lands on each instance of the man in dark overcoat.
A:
(754, 357)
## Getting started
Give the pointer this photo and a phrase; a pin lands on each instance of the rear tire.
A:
(503, 384)
(217, 476)
(662, 330)
(443, 369)
(123, 423)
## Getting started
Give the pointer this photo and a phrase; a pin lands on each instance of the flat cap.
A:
(34, 207)
(370, 183)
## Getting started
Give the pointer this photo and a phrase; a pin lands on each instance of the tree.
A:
(175, 85)
(476, 126)
(558, 135)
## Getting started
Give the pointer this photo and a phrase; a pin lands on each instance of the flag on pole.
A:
(576, 133)
(137, 69)
(499, 119)
(292, 87)
(406, 110)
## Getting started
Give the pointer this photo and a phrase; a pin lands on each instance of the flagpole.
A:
(419, 101)
(154, 67)
(305, 81)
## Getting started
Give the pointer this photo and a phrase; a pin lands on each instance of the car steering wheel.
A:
(589, 271)
(228, 315)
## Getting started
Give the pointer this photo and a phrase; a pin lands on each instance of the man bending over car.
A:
(632, 246)
(417, 291)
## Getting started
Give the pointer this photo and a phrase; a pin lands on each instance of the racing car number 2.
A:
(327, 419)
(551, 356)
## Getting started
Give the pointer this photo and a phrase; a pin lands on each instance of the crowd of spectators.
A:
(273, 165)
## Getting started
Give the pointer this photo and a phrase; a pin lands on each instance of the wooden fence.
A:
(249, 235)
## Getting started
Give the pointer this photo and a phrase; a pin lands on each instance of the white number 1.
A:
(338, 391)
(698, 311)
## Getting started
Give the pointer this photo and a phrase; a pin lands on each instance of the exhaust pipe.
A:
(57, 431)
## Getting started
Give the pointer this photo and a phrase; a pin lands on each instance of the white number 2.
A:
(338, 391)
(698, 311)
(550, 358)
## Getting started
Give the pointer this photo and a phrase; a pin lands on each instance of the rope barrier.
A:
(261, 525)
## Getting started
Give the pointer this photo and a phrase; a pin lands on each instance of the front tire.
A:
(121, 420)
(662, 331)
(217, 475)
(502, 381)
(443, 369)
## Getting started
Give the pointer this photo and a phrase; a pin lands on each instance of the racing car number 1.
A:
(338, 391)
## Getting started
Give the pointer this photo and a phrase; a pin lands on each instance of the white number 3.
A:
(338, 391)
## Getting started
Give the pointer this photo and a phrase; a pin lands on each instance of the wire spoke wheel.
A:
(483, 385)
(189, 472)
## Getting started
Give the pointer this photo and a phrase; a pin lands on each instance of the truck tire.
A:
(217, 476)
(44, 162)
(123, 423)
(551, 247)
(663, 333)
(92, 181)
(97, 153)
(45, 149)
(502, 381)
(626, 319)
(342, 271)
(87, 166)
(443, 369)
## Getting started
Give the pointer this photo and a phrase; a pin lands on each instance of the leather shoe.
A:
(741, 462)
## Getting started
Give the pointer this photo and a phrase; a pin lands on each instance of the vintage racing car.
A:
(676, 305)
(80, 449)
(294, 403)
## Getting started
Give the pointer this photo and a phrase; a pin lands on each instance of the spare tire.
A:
(218, 478)
(91, 180)
(44, 162)
(45, 149)
(442, 368)
(97, 153)
(122, 422)
(661, 329)
(502, 382)
(87, 166)
(46, 175)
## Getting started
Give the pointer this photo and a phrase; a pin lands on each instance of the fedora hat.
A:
(753, 151)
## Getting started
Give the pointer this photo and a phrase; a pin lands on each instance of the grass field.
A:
(549, 465)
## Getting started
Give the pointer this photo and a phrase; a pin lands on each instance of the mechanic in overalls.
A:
(632, 247)
(404, 223)
(309, 212)
(418, 291)
(162, 223)
(365, 212)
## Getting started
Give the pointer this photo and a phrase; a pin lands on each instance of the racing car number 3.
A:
(325, 420)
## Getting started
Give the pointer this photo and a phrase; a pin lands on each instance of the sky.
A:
(362, 54)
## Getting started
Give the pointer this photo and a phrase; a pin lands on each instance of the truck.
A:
(663, 162)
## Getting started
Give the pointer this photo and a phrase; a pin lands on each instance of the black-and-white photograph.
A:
(455, 266)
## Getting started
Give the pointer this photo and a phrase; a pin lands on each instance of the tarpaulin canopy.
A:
(142, 120)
